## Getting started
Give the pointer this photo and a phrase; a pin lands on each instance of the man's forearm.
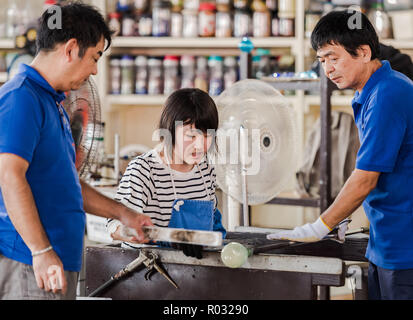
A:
(351, 196)
(98, 204)
(22, 210)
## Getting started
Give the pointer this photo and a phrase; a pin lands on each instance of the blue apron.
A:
(192, 214)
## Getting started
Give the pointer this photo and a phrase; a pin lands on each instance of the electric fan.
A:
(83, 108)
(256, 142)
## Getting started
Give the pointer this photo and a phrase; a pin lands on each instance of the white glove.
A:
(309, 232)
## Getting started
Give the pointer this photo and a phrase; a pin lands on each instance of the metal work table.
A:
(288, 273)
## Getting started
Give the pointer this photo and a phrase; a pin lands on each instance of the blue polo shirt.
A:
(34, 126)
(383, 112)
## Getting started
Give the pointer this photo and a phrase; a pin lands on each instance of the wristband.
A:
(37, 253)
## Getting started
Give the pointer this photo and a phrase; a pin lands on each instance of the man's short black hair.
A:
(79, 21)
(350, 29)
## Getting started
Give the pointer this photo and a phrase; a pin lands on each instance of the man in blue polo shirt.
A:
(42, 201)
(383, 178)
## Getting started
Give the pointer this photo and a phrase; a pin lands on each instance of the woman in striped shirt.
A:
(174, 183)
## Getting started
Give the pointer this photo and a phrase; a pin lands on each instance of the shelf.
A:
(170, 42)
(336, 100)
(6, 43)
(136, 99)
(3, 77)
(398, 44)
(148, 100)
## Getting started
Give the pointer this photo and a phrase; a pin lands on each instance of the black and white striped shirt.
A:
(146, 187)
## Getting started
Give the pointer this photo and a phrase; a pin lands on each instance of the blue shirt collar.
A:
(34, 75)
(379, 74)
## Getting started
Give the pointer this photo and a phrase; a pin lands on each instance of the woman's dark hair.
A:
(189, 106)
(351, 29)
(78, 21)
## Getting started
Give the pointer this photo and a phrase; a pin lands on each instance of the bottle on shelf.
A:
(155, 78)
(115, 23)
(263, 65)
(223, 21)
(141, 78)
(380, 20)
(187, 71)
(115, 75)
(230, 71)
(286, 18)
(216, 79)
(127, 67)
(171, 79)
(201, 75)
(207, 19)
(161, 18)
(261, 19)
(12, 19)
(176, 22)
(189, 23)
(242, 23)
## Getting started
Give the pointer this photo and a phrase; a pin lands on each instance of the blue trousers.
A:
(385, 284)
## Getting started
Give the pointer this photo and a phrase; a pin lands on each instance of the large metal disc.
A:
(271, 135)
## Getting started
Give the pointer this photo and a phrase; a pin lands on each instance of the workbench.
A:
(292, 273)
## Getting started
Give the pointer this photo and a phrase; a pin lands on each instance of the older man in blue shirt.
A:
(383, 178)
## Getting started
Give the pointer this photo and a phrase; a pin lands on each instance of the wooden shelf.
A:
(6, 43)
(398, 44)
(148, 100)
(136, 99)
(171, 42)
(3, 77)
(336, 100)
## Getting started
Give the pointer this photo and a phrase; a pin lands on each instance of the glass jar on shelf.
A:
(216, 75)
(145, 25)
(206, 19)
(115, 75)
(223, 23)
(161, 18)
(171, 78)
(191, 4)
(261, 19)
(115, 23)
(141, 78)
(140, 6)
(201, 74)
(242, 23)
(230, 71)
(176, 23)
(127, 67)
(128, 25)
(187, 71)
(189, 23)
(380, 20)
(155, 76)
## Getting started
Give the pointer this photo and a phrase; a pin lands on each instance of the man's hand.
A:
(119, 234)
(306, 233)
(49, 273)
(136, 221)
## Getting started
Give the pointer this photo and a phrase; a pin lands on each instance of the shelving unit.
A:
(5, 45)
(136, 110)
